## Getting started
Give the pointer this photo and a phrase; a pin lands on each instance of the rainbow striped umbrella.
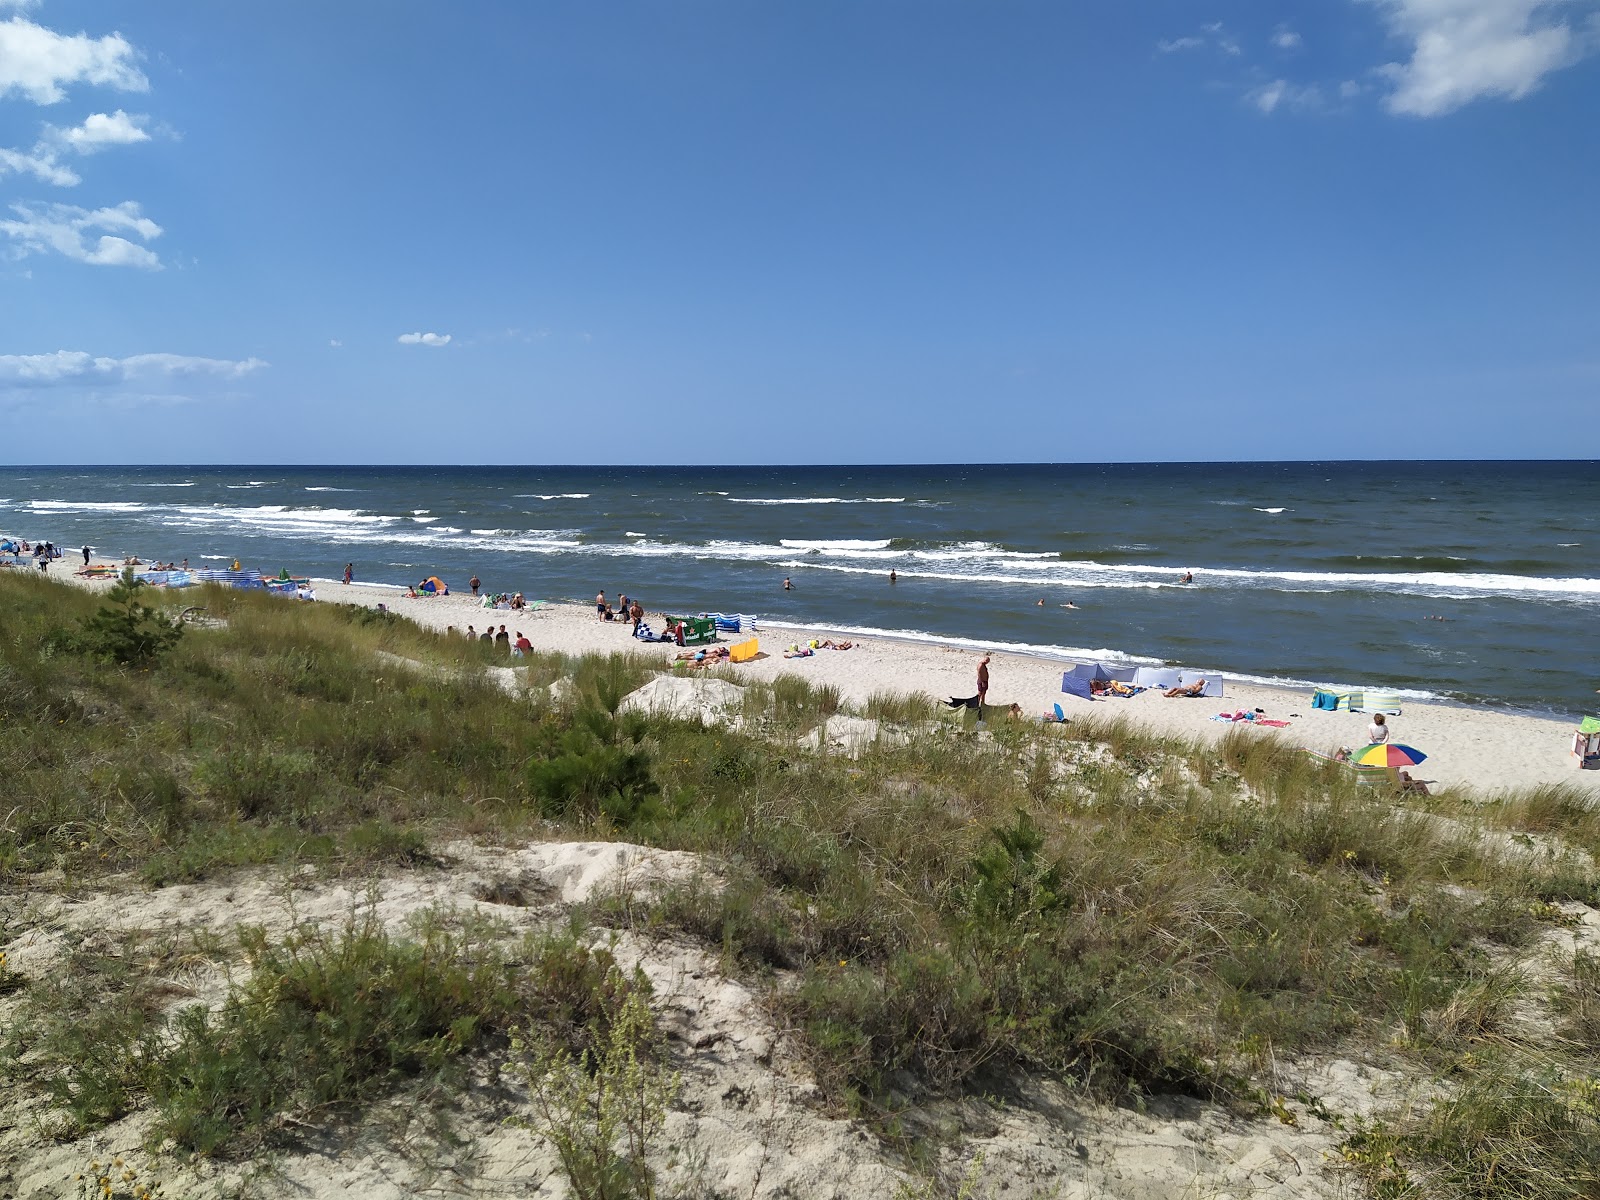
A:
(1387, 754)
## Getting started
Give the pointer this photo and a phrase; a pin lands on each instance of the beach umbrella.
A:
(1589, 725)
(1387, 754)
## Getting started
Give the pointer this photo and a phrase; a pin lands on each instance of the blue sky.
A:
(711, 231)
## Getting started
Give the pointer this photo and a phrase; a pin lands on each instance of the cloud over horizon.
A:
(424, 339)
(67, 366)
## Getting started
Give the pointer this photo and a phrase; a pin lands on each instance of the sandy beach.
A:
(1484, 749)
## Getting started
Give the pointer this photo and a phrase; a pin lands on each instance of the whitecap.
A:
(814, 500)
(331, 489)
(1272, 510)
(630, 533)
(163, 485)
(554, 496)
(841, 544)
(87, 506)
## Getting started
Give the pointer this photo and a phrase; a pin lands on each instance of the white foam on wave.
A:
(630, 533)
(974, 577)
(814, 500)
(1567, 545)
(840, 544)
(1272, 510)
(163, 485)
(331, 489)
(555, 496)
(87, 506)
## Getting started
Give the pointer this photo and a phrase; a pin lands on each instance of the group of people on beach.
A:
(498, 638)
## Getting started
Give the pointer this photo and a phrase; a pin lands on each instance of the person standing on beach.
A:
(474, 583)
(983, 682)
(600, 605)
(86, 556)
(636, 614)
(349, 573)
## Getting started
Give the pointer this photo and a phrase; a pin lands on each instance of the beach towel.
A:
(1326, 700)
(962, 702)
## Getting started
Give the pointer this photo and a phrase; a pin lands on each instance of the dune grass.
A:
(1138, 914)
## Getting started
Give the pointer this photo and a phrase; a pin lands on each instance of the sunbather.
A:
(1197, 688)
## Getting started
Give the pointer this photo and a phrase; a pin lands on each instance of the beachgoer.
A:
(1378, 731)
(1188, 577)
(1069, 604)
(983, 681)
(1342, 754)
(86, 556)
(600, 605)
(449, 631)
(787, 586)
(522, 645)
(1408, 784)
(1041, 601)
(186, 564)
(474, 583)
(487, 635)
(235, 564)
(503, 638)
(349, 573)
(472, 634)
(892, 575)
(1197, 688)
(637, 614)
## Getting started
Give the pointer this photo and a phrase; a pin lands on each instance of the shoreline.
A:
(1477, 747)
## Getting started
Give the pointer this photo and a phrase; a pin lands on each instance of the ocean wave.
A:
(630, 533)
(842, 544)
(87, 506)
(815, 500)
(974, 577)
(1272, 510)
(163, 485)
(332, 489)
(557, 496)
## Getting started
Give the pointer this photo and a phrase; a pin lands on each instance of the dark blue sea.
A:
(1331, 573)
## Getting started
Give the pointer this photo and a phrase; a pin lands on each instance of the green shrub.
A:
(124, 630)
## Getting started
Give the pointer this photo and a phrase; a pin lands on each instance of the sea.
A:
(1474, 582)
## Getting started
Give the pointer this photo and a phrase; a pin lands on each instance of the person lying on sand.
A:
(1408, 784)
(1197, 688)
(799, 652)
(830, 644)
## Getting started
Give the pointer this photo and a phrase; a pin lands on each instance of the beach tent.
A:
(435, 585)
(1157, 677)
(1074, 684)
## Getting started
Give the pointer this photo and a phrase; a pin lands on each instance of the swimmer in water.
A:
(1069, 604)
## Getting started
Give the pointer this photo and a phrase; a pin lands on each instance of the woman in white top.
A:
(1377, 732)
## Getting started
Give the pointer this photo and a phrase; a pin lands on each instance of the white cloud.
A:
(1280, 93)
(41, 163)
(69, 231)
(1183, 43)
(76, 366)
(424, 339)
(1210, 35)
(97, 132)
(1285, 38)
(40, 62)
(100, 130)
(335, 343)
(1464, 50)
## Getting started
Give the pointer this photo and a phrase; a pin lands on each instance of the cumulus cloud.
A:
(1464, 50)
(100, 130)
(1285, 38)
(69, 231)
(1183, 43)
(424, 339)
(79, 366)
(41, 63)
